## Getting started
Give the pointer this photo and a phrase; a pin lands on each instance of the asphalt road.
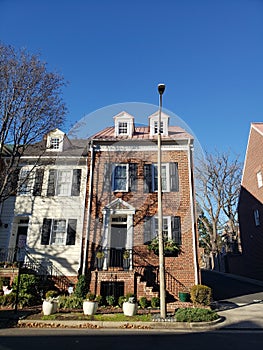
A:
(41, 339)
(225, 287)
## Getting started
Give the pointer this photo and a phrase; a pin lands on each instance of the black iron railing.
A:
(114, 258)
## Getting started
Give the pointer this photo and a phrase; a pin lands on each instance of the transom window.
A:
(123, 128)
(120, 177)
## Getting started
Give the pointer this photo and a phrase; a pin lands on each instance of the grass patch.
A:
(195, 315)
(98, 317)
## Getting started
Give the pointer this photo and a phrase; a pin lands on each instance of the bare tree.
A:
(218, 179)
(30, 106)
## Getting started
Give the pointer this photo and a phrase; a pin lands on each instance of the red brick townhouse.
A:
(121, 205)
(250, 209)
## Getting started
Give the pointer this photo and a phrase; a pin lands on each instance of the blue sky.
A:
(208, 53)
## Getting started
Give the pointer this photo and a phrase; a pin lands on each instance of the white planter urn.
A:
(90, 307)
(49, 307)
(129, 309)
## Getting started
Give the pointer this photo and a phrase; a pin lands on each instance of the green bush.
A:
(201, 295)
(155, 302)
(195, 315)
(51, 294)
(70, 302)
(121, 300)
(143, 302)
(81, 288)
(111, 300)
(8, 299)
(29, 294)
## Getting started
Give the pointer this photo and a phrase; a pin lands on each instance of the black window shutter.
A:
(71, 232)
(147, 229)
(147, 181)
(51, 182)
(45, 236)
(75, 190)
(174, 177)
(133, 176)
(176, 229)
(38, 182)
(107, 177)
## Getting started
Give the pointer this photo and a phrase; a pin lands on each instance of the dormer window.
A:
(56, 140)
(54, 143)
(156, 127)
(154, 124)
(123, 128)
(124, 124)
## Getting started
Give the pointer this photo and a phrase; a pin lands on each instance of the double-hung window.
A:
(55, 143)
(58, 231)
(25, 182)
(64, 182)
(120, 177)
(171, 228)
(169, 175)
(164, 175)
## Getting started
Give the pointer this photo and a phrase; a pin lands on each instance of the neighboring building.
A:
(122, 208)
(250, 209)
(50, 205)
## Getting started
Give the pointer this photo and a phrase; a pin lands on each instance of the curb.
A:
(123, 325)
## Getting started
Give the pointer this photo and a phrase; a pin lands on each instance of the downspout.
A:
(192, 208)
(88, 208)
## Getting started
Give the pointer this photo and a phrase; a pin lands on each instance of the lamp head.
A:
(161, 88)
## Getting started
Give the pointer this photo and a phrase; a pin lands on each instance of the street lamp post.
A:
(161, 88)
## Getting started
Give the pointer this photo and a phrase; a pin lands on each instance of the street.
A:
(66, 339)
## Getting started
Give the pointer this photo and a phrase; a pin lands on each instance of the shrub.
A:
(201, 295)
(70, 302)
(90, 296)
(8, 299)
(51, 294)
(81, 288)
(121, 300)
(111, 300)
(155, 302)
(99, 299)
(143, 302)
(195, 315)
(29, 294)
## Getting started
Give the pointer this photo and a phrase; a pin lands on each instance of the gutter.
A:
(88, 208)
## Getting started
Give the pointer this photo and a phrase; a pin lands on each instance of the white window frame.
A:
(64, 185)
(58, 235)
(127, 177)
(165, 180)
(259, 179)
(167, 231)
(256, 217)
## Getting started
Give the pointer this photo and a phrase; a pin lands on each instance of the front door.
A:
(21, 242)
(118, 244)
